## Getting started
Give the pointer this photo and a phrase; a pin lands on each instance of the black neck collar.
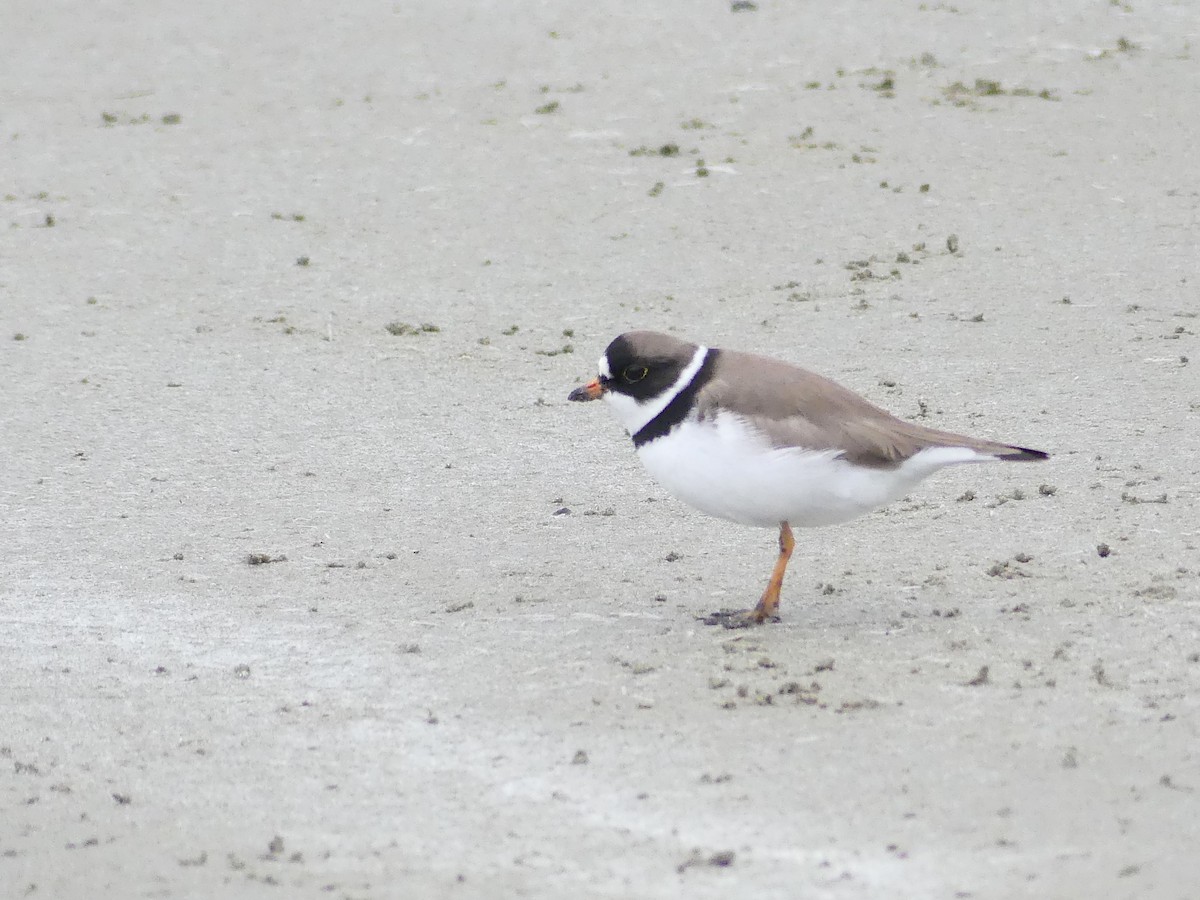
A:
(680, 406)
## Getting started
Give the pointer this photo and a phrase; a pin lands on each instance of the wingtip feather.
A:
(1022, 454)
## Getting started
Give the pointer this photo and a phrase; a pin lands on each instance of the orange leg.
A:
(768, 604)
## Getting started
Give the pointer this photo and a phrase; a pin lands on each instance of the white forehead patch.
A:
(603, 368)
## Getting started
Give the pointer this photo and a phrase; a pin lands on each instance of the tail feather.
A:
(995, 449)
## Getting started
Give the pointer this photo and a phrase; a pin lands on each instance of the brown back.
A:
(805, 410)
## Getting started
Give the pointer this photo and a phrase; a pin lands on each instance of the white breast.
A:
(723, 467)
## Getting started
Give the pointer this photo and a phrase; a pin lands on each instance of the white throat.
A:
(634, 414)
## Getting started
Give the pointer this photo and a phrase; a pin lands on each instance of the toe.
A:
(737, 618)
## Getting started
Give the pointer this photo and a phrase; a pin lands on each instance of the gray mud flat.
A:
(314, 585)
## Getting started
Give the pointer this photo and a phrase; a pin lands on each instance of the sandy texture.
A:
(470, 665)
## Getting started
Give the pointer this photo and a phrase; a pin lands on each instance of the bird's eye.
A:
(635, 373)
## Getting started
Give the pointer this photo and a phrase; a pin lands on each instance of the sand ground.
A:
(470, 664)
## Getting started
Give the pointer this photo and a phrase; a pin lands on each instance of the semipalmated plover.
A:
(763, 442)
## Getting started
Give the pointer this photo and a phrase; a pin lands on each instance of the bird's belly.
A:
(726, 469)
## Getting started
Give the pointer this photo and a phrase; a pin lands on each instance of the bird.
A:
(762, 442)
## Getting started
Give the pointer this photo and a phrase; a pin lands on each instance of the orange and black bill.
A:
(590, 391)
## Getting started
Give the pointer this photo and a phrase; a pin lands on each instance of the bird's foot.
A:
(738, 618)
